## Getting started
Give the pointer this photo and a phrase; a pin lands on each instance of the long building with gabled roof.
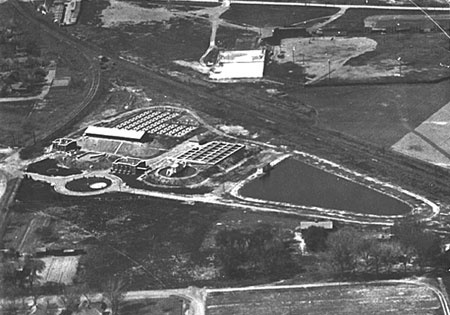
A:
(115, 133)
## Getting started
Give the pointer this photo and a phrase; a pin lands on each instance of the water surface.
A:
(298, 183)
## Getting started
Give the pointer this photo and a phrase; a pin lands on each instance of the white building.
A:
(241, 64)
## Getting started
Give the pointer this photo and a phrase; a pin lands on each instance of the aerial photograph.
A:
(224, 157)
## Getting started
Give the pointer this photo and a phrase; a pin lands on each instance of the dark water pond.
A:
(295, 182)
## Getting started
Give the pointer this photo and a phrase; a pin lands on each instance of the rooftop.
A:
(128, 160)
(239, 56)
(114, 132)
(63, 141)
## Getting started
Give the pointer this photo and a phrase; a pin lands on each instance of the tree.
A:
(416, 240)
(342, 249)
(31, 269)
(247, 253)
(114, 291)
(71, 299)
(315, 238)
(366, 250)
(390, 254)
(428, 248)
(8, 283)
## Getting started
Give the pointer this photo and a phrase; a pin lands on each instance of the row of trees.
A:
(247, 254)
(18, 275)
(349, 250)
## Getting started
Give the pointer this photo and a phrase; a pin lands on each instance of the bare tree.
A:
(71, 299)
(114, 291)
(342, 249)
(31, 268)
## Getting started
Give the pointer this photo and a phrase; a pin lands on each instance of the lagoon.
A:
(295, 182)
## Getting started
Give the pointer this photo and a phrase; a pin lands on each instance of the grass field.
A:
(12, 120)
(273, 16)
(151, 243)
(353, 19)
(342, 300)
(168, 306)
(379, 114)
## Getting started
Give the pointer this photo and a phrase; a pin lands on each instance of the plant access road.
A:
(347, 6)
(419, 290)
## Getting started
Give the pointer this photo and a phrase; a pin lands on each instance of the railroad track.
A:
(94, 70)
(243, 107)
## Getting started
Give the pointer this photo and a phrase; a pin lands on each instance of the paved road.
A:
(348, 6)
(198, 297)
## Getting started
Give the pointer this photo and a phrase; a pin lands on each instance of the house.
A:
(71, 12)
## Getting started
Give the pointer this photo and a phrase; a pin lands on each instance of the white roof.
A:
(114, 132)
(328, 225)
(242, 56)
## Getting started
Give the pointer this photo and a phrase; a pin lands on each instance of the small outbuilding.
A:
(64, 144)
(327, 225)
(242, 64)
(128, 166)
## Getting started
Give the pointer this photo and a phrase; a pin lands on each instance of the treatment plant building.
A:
(116, 134)
(241, 64)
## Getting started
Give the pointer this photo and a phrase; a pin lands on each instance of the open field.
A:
(59, 269)
(152, 243)
(353, 19)
(422, 3)
(429, 142)
(421, 55)
(379, 114)
(274, 16)
(401, 299)
(12, 121)
(323, 56)
(168, 306)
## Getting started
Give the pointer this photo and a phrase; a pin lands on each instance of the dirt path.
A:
(215, 21)
(332, 18)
